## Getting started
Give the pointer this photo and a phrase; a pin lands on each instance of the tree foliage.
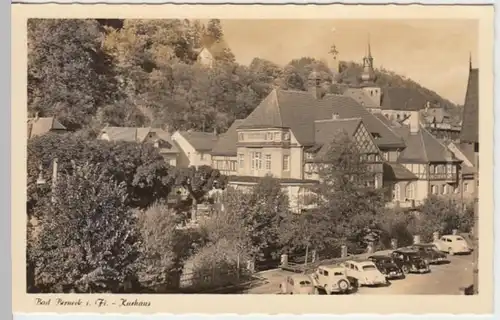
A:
(162, 249)
(69, 75)
(87, 240)
(140, 167)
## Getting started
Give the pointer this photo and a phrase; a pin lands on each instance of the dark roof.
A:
(470, 118)
(326, 130)
(298, 110)
(423, 147)
(201, 141)
(395, 171)
(253, 179)
(226, 145)
(406, 99)
(40, 126)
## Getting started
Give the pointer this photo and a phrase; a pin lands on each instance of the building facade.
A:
(194, 147)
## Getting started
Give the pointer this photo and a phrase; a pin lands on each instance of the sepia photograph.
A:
(252, 157)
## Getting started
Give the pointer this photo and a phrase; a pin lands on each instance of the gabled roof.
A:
(395, 171)
(423, 147)
(298, 110)
(216, 48)
(139, 135)
(470, 124)
(40, 126)
(405, 99)
(226, 145)
(361, 97)
(200, 141)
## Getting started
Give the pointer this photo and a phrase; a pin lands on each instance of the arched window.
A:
(397, 116)
(434, 189)
(410, 191)
(396, 193)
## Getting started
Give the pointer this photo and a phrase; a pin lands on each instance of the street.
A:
(443, 279)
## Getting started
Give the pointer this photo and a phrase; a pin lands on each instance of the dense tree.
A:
(87, 239)
(143, 170)
(161, 256)
(69, 76)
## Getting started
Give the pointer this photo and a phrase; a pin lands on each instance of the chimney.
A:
(414, 122)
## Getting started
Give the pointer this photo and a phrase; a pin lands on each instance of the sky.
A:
(434, 53)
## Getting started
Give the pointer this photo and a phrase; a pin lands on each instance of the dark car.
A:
(410, 261)
(387, 266)
(430, 253)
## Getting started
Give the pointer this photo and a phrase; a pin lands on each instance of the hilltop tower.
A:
(368, 77)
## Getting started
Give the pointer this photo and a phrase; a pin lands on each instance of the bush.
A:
(213, 266)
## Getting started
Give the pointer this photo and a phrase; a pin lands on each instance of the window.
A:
(256, 158)
(432, 168)
(440, 168)
(286, 136)
(202, 156)
(456, 189)
(325, 273)
(369, 267)
(396, 195)
(240, 136)
(241, 160)
(434, 190)
(269, 136)
(268, 162)
(286, 163)
(453, 168)
(443, 189)
(410, 191)
(386, 155)
(466, 187)
(309, 155)
(277, 136)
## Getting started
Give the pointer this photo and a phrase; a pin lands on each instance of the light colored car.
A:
(332, 279)
(452, 244)
(297, 284)
(365, 272)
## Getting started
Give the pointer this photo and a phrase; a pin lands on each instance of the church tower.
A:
(368, 77)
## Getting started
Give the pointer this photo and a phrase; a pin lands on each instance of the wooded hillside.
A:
(90, 73)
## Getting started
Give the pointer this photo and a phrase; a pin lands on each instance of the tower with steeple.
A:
(368, 77)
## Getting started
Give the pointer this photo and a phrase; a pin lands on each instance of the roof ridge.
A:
(342, 119)
(278, 106)
(388, 127)
(423, 145)
(436, 139)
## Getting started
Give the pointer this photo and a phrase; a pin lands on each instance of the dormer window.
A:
(376, 135)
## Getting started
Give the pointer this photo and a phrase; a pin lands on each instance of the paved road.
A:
(443, 279)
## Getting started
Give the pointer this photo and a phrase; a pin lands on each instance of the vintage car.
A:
(298, 284)
(430, 253)
(410, 261)
(387, 266)
(364, 273)
(332, 279)
(452, 244)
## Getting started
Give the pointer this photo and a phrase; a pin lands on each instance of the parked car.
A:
(364, 273)
(452, 244)
(332, 279)
(430, 253)
(297, 284)
(410, 261)
(387, 266)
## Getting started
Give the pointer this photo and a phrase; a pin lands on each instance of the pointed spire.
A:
(369, 49)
